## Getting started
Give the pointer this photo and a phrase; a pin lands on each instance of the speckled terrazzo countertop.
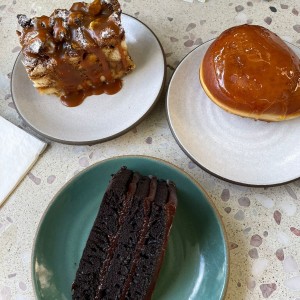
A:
(262, 224)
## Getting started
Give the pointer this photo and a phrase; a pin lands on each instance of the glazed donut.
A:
(251, 72)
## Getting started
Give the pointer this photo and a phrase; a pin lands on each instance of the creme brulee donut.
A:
(249, 71)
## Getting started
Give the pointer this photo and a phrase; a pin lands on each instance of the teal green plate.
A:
(196, 260)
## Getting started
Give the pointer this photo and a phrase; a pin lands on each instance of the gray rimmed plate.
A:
(236, 149)
(102, 117)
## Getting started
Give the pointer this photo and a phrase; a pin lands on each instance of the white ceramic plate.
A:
(236, 149)
(102, 117)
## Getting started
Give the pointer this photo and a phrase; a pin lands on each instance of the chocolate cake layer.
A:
(147, 265)
(112, 283)
(123, 262)
(106, 226)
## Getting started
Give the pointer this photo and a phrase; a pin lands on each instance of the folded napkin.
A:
(18, 152)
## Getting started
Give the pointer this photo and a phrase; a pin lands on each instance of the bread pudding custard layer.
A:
(78, 52)
(248, 70)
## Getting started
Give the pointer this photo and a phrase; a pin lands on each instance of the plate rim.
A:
(157, 159)
(187, 152)
(111, 137)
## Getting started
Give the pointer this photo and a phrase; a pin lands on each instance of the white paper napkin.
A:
(18, 152)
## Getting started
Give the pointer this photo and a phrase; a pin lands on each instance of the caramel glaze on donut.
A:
(249, 71)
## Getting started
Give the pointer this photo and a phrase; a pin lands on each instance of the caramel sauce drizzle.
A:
(77, 36)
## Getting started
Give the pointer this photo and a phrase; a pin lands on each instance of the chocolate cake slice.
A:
(125, 249)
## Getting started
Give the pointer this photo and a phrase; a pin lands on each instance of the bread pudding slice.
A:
(77, 52)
